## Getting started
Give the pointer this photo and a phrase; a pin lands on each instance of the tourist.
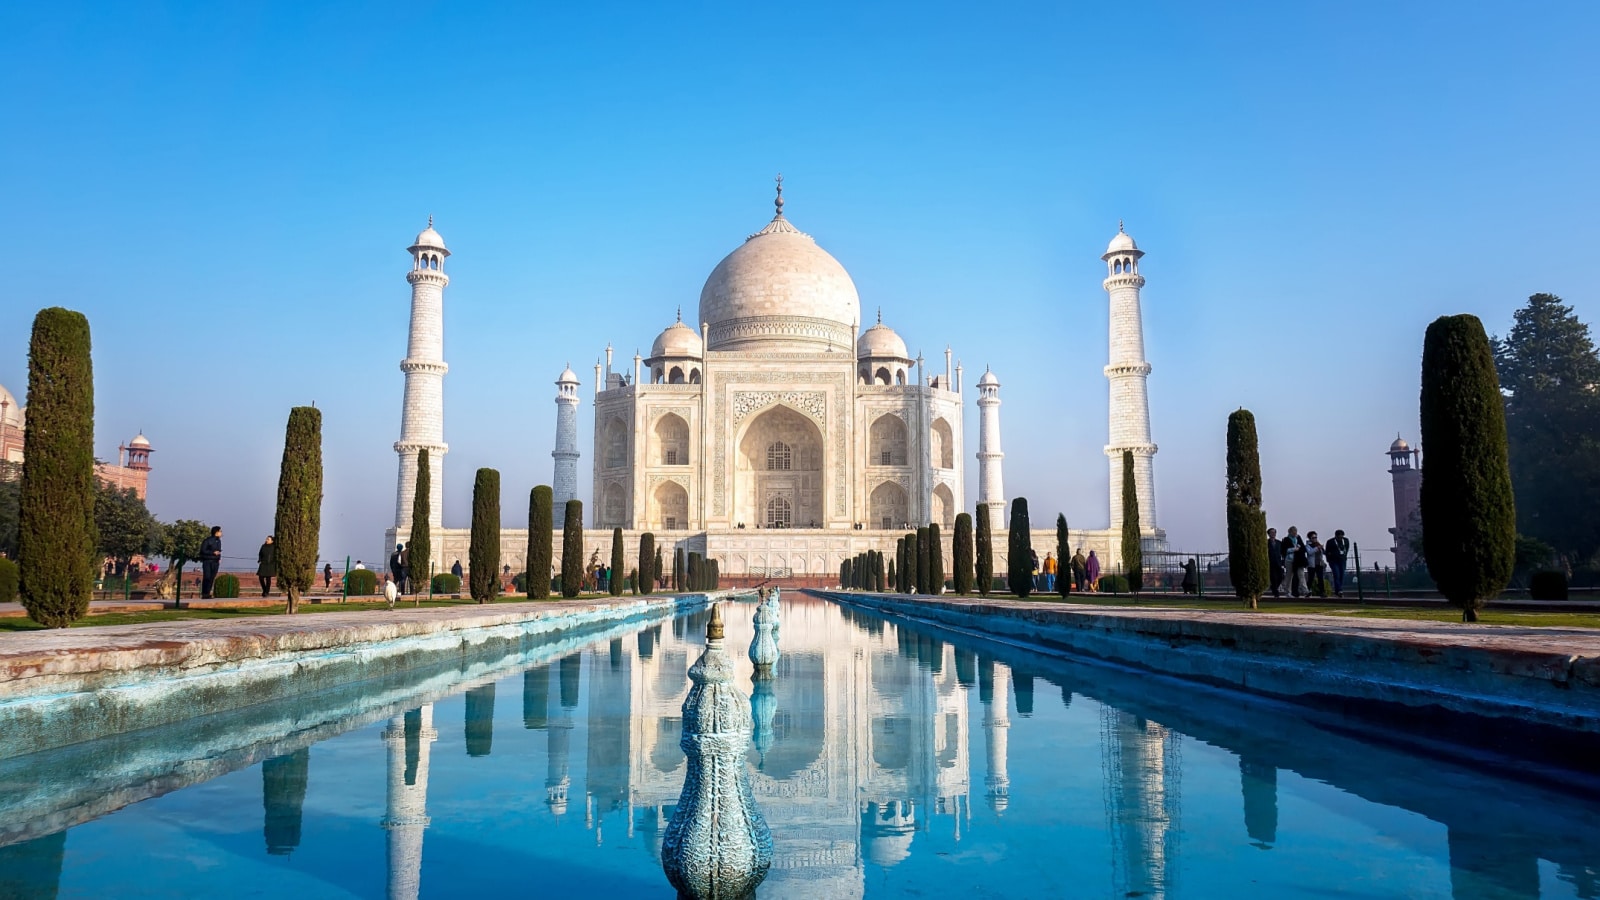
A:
(1295, 561)
(390, 591)
(405, 570)
(1091, 572)
(1191, 583)
(456, 570)
(1049, 572)
(327, 576)
(396, 566)
(1077, 570)
(1316, 565)
(360, 566)
(1033, 568)
(1275, 561)
(210, 561)
(1338, 552)
(267, 566)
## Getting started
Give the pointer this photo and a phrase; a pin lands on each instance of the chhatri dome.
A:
(430, 238)
(139, 441)
(880, 341)
(1123, 241)
(780, 292)
(678, 340)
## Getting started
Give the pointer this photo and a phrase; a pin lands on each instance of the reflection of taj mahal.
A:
(777, 431)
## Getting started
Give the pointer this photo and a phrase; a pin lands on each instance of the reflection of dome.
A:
(881, 341)
(779, 287)
(887, 829)
(677, 340)
(1399, 445)
(140, 441)
(12, 413)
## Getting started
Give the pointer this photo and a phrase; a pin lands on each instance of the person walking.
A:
(1033, 568)
(267, 566)
(1076, 567)
(1338, 552)
(457, 571)
(1316, 565)
(390, 591)
(1091, 571)
(210, 561)
(327, 576)
(1275, 561)
(405, 571)
(1295, 561)
(395, 565)
(1050, 567)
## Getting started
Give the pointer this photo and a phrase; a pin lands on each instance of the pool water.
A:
(897, 763)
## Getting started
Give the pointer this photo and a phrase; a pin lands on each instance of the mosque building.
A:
(776, 434)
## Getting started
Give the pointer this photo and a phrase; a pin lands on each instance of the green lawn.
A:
(1290, 607)
(20, 623)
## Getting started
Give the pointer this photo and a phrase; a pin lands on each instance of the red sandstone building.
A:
(131, 470)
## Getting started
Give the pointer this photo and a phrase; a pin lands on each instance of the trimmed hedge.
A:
(361, 582)
(226, 587)
(1114, 584)
(1550, 585)
(446, 583)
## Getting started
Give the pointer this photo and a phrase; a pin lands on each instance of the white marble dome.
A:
(1399, 445)
(568, 376)
(880, 342)
(988, 380)
(678, 340)
(430, 238)
(780, 291)
(1123, 241)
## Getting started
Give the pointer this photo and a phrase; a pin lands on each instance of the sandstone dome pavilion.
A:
(778, 437)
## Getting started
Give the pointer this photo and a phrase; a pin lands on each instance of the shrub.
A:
(1114, 584)
(519, 582)
(961, 554)
(572, 550)
(56, 536)
(444, 583)
(8, 580)
(298, 519)
(364, 582)
(935, 560)
(226, 587)
(1063, 557)
(1468, 513)
(614, 585)
(1247, 524)
(644, 579)
(1547, 585)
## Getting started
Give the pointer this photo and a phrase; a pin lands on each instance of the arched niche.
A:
(887, 506)
(886, 441)
(780, 457)
(672, 441)
(670, 506)
(943, 508)
(941, 445)
(615, 441)
(614, 506)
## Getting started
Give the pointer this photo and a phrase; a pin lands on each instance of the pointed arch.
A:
(941, 445)
(672, 441)
(886, 441)
(943, 508)
(615, 441)
(887, 507)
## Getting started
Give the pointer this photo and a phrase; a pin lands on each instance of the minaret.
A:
(996, 725)
(422, 416)
(565, 483)
(406, 813)
(1127, 371)
(991, 489)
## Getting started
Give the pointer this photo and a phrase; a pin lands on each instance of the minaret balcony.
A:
(1125, 279)
(431, 366)
(1112, 371)
(427, 276)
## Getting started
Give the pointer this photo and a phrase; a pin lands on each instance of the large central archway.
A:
(777, 479)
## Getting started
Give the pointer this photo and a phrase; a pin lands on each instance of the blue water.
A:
(898, 763)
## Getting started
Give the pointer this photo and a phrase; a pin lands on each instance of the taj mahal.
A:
(780, 436)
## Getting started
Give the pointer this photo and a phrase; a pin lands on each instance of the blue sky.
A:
(227, 192)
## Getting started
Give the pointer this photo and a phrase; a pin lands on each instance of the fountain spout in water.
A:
(763, 647)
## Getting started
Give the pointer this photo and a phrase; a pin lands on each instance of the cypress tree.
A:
(1247, 525)
(541, 538)
(483, 552)
(1063, 557)
(420, 541)
(656, 568)
(716, 575)
(894, 577)
(1468, 513)
(883, 575)
(961, 555)
(924, 562)
(646, 582)
(693, 571)
(935, 560)
(56, 536)
(1132, 548)
(983, 564)
(1019, 550)
(677, 569)
(572, 549)
(297, 526)
(615, 582)
(844, 574)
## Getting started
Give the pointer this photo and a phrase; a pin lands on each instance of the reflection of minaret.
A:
(609, 731)
(480, 720)
(1259, 784)
(1142, 771)
(536, 697)
(283, 794)
(996, 723)
(406, 814)
(31, 870)
(559, 737)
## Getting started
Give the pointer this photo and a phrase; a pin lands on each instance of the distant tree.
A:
(10, 503)
(1548, 373)
(962, 554)
(1132, 546)
(420, 541)
(844, 575)
(123, 524)
(656, 568)
(1063, 557)
(180, 544)
(56, 533)
(883, 576)
(913, 566)
(1468, 515)
(693, 570)
(678, 581)
(894, 577)
(297, 527)
(924, 562)
(646, 582)
(984, 562)
(483, 550)
(1247, 524)
(935, 560)
(572, 550)
(615, 584)
(1019, 550)
(541, 541)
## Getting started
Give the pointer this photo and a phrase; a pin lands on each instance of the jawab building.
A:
(778, 437)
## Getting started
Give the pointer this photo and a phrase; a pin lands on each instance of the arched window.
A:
(900, 377)
(616, 444)
(780, 458)
(1116, 267)
(941, 445)
(779, 512)
(659, 374)
(883, 376)
(616, 506)
(672, 441)
(675, 376)
(694, 376)
(886, 442)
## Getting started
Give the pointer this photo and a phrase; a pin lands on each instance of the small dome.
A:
(1121, 243)
(140, 441)
(568, 376)
(988, 379)
(678, 340)
(1399, 445)
(881, 341)
(430, 238)
(11, 413)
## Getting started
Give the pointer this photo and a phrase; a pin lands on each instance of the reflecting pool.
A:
(888, 762)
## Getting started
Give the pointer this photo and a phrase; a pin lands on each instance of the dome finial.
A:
(880, 315)
(1120, 229)
(778, 203)
(430, 220)
(714, 630)
(680, 315)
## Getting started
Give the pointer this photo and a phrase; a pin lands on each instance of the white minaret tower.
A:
(565, 484)
(406, 812)
(422, 416)
(991, 489)
(1127, 371)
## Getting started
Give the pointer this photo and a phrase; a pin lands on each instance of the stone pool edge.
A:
(1395, 670)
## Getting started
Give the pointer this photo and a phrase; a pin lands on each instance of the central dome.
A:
(779, 291)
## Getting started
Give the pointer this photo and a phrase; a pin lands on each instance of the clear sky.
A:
(227, 191)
